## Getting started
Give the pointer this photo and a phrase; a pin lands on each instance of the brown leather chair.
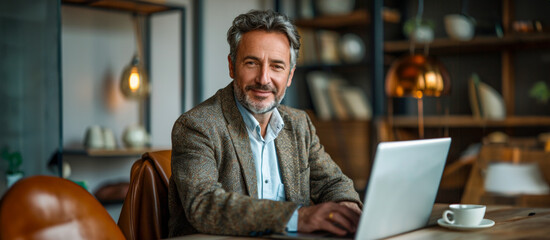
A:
(145, 209)
(47, 207)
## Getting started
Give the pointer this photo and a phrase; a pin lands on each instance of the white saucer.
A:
(485, 223)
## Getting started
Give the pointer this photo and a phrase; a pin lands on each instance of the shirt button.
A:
(266, 181)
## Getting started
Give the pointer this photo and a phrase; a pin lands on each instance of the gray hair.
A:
(268, 21)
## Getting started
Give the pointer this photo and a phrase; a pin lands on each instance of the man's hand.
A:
(352, 205)
(337, 218)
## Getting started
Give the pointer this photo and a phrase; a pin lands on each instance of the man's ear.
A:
(231, 67)
(290, 75)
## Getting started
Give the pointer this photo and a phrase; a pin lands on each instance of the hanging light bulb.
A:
(134, 84)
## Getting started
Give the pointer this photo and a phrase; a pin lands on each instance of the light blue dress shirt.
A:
(270, 185)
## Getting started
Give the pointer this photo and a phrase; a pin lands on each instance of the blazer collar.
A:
(239, 136)
(288, 160)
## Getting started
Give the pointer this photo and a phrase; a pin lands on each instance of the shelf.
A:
(349, 66)
(136, 6)
(122, 152)
(478, 44)
(458, 121)
(355, 18)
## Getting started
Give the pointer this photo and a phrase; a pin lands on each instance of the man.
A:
(244, 165)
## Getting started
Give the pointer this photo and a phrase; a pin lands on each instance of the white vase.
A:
(13, 177)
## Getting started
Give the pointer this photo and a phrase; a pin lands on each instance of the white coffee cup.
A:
(459, 27)
(464, 214)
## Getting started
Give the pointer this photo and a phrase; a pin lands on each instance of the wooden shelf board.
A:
(355, 18)
(458, 121)
(478, 44)
(121, 152)
(136, 6)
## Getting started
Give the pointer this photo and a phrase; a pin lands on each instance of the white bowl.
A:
(459, 27)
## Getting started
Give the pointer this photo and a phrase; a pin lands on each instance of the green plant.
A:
(540, 91)
(14, 160)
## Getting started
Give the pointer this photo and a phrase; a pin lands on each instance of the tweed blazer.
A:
(213, 184)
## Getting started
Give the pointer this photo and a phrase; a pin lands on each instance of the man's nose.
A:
(264, 78)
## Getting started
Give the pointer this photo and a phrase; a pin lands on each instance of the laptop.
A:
(401, 191)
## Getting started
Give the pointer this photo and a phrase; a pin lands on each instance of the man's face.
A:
(262, 70)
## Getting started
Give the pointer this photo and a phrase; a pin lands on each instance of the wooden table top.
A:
(510, 223)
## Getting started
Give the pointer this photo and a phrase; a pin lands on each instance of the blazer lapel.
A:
(288, 163)
(239, 137)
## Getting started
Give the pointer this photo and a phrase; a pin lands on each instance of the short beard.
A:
(249, 104)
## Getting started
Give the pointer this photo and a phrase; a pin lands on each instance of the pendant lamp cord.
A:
(138, 23)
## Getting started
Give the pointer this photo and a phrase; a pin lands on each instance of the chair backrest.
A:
(47, 207)
(144, 212)
(474, 191)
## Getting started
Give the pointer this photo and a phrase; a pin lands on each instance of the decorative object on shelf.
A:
(135, 136)
(527, 26)
(109, 140)
(331, 7)
(417, 29)
(417, 76)
(485, 101)
(97, 137)
(352, 48)
(14, 172)
(94, 138)
(460, 27)
(134, 82)
(540, 92)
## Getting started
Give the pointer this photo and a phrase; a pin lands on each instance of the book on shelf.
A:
(328, 46)
(317, 82)
(308, 51)
(334, 98)
(356, 102)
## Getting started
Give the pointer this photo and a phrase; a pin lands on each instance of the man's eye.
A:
(279, 67)
(250, 63)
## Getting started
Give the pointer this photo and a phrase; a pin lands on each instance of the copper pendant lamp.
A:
(417, 76)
